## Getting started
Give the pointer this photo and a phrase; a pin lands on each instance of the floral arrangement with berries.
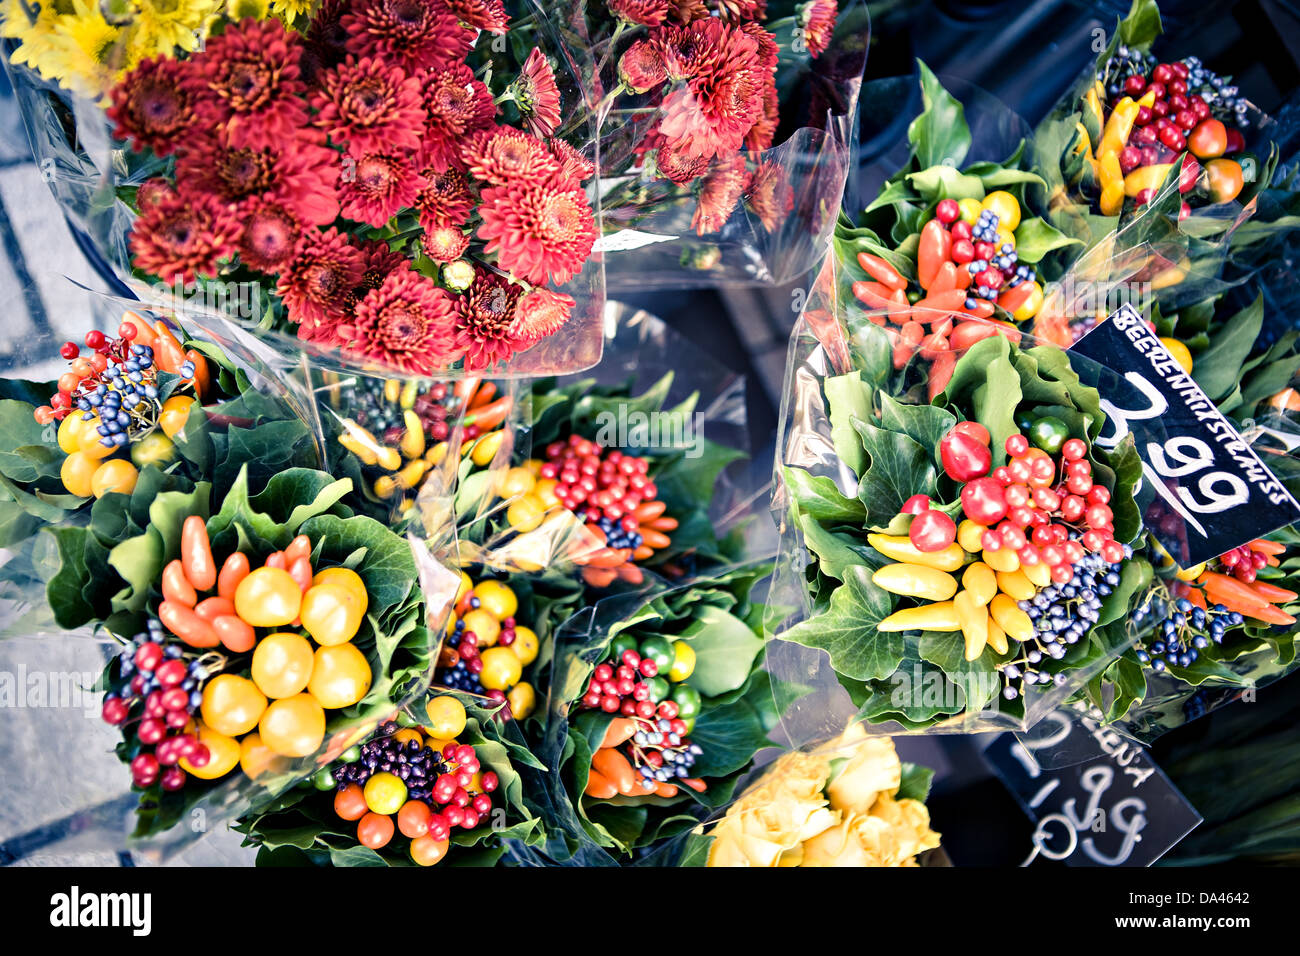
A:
(395, 433)
(584, 500)
(974, 548)
(659, 704)
(144, 408)
(255, 626)
(947, 254)
(437, 783)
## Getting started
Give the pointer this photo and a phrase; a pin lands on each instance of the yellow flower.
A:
(244, 9)
(290, 10)
(910, 821)
(88, 51)
(163, 25)
(767, 825)
(872, 768)
(32, 24)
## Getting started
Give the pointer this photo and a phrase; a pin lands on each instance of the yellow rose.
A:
(768, 825)
(859, 840)
(873, 768)
(910, 819)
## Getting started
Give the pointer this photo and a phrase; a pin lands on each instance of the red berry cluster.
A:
(1042, 514)
(603, 486)
(1243, 563)
(621, 685)
(83, 376)
(161, 695)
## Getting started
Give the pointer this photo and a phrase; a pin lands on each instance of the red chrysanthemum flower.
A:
(456, 106)
(687, 11)
(489, 15)
(769, 53)
(685, 51)
(736, 10)
(445, 200)
(152, 192)
(724, 98)
(326, 40)
(769, 194)
(376, 186)
(641, 68)
(444, 243)
(299, 173)
(370, 107)
(677, 167)
(573, 165)
(763, 132)
(271, 234)
(647, 13)
(183, 236)
(720, 190)
(538, 314)
(485, 314)
(540, 232)
(380, 262)
(407, 324)
(153, 105)
(247, 82)
(415, 35)
(817, 18)
(537, 96)
(317, 282)
(504, 155)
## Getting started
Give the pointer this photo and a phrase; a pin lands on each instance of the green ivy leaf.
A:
(725, 650)
(1035, 238)
(836, 553)
(820, 498)
(925, 424)
(899, 468)
(939, 135)
(846, 630)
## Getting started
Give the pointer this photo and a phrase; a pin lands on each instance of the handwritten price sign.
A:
(1205, 491)
(1110, 807)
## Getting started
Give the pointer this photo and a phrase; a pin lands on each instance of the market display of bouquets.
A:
(347, 185)
(851, 803)
(956, 562)
(657, 706)
(437, 782)
(724, 131)
(947, 253)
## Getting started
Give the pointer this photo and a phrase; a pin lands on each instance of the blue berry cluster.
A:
(123, 388)
(1062, 614)
(1181, 630)
(617, 536)
(149, 679)
(461, 676)
(678, 756)
(1004, 260)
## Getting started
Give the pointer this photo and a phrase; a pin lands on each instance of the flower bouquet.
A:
(853, 803)
(438, 782)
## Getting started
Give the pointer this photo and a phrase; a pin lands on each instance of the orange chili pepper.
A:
(196, 554)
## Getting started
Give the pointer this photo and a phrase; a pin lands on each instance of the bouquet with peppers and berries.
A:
(947, 254)
(609, 481)
(658, 705)
(437, 782)
(955, 556)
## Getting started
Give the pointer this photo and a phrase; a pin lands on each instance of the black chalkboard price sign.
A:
(1108, 805)
(1204, 489)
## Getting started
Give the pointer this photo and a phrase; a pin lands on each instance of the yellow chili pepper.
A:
(981, 582)
(974, 620)
(390, 459)
(1040, 575)
(412, 443)
(1017, 585)
(486, 448)
(1010, 618)
(968, 536)
(392, 389)
(916, 580)
(412, 472)
(1115, 137)
(940, 616)
(385, 486)
(1003, 559)
(410, 392)
(358, 447)
(1146, 177)
(900, 548)
(997, 638)
(1112, 184)
(436, 454)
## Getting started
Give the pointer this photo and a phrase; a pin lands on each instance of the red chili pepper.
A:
(880, 270)
(196, 554)
(933, 251)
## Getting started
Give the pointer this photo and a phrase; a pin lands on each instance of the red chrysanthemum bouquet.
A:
(723, 129)
(386, 179)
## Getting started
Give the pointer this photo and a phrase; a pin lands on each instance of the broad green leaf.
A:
(819, 497)
(725, 650)
(846, 630)
(848, 397)
(1035, 238)
(939, 135)
(899, 468)
(1218, 368)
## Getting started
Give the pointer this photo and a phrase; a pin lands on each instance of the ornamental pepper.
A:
(933, 251)
(963, 456)
(1115, 137)
(1112, 184)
